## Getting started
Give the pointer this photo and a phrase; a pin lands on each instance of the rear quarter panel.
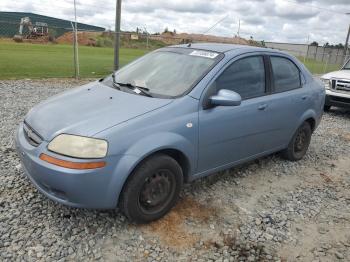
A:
(318, 95)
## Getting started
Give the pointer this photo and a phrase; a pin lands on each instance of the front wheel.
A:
(299, 144)
(152, 189)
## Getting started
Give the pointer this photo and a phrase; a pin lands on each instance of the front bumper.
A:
(78, 188)
(337, 99)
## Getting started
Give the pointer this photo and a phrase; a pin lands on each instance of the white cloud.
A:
(269, 20)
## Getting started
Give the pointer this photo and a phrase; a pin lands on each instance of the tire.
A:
(299, 144)
(326, 108)
(152, 189)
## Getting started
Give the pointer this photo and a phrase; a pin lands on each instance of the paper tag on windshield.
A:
(206, 54)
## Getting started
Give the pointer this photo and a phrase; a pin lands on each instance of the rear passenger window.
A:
(245, 76)
(285, 73)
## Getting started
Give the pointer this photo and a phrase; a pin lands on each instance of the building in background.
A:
(10, 23)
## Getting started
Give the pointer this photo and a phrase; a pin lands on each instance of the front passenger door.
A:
(228, 134)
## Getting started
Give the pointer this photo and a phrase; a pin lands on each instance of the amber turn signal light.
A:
(71, 165)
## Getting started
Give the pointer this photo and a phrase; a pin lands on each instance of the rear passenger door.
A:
(288, 101)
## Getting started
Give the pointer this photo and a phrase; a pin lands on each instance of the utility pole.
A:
(76, 53)
(307, 51)
(117, 34)
(346, 42)
(239, 27)
(147, 35)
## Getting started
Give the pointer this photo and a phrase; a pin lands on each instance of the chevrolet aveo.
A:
(179, 113)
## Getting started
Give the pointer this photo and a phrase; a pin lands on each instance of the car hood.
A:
(87, 110)
(337, 74)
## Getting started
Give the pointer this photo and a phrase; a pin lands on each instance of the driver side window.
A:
(245, 76)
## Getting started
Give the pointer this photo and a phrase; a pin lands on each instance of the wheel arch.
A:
(176, 154)
(310, 117)
(174, 145)
(312, 123)
(171, 144)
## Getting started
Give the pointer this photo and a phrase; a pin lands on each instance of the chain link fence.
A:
(42, 46)
(318, 59)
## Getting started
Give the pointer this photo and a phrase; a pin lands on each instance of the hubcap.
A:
(156, 191)
(300, 141)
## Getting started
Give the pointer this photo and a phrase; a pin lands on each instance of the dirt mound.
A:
(171, 38)
(84, 38)
(213, 38)
(90, 38)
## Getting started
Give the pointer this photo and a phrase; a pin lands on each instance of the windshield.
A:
(347, 65)
(169, 72)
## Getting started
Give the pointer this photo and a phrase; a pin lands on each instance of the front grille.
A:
(333, 83)
(31, 135)
(341, 85)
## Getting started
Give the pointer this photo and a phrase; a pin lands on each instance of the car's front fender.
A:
(161, 141)
(145, 147)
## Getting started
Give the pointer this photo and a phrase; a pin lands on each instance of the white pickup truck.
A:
(337, 86)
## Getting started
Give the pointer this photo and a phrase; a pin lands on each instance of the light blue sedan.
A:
(179, 113)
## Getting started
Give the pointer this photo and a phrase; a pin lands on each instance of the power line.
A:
(210, 28)
(314, 6)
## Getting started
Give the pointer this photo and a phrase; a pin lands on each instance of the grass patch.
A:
(318, 67)
(25, 60)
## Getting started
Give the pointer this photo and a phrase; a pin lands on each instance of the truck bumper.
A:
(337, 99)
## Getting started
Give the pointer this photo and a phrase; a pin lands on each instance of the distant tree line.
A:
(327, 45)
(166, 30)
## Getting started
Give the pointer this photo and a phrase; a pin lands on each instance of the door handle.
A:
(262, 107)
(304, 97)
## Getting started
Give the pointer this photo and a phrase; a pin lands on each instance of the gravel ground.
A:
(267, 210)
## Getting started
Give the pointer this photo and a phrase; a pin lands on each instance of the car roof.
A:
(223, 48)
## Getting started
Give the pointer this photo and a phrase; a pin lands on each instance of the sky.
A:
(292, 21)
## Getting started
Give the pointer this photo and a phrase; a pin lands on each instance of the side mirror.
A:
(226, 98)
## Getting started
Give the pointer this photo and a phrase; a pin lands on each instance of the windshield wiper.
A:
(136, 89)
(115, 84)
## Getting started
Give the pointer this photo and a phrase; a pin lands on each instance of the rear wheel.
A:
(299, 144)
(152, 189)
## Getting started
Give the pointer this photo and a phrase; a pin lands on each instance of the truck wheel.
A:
(152, 189)
(299, 144)
(326, 108)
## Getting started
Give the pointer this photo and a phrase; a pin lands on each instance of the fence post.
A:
(324, 51)
(315, 54)
(336, 56)
(326, 64)
(147, 35)
(307, 52)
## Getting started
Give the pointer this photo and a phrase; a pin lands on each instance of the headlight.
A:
(326, 83)
(78, 146)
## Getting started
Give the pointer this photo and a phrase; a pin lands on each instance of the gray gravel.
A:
(267, 210)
